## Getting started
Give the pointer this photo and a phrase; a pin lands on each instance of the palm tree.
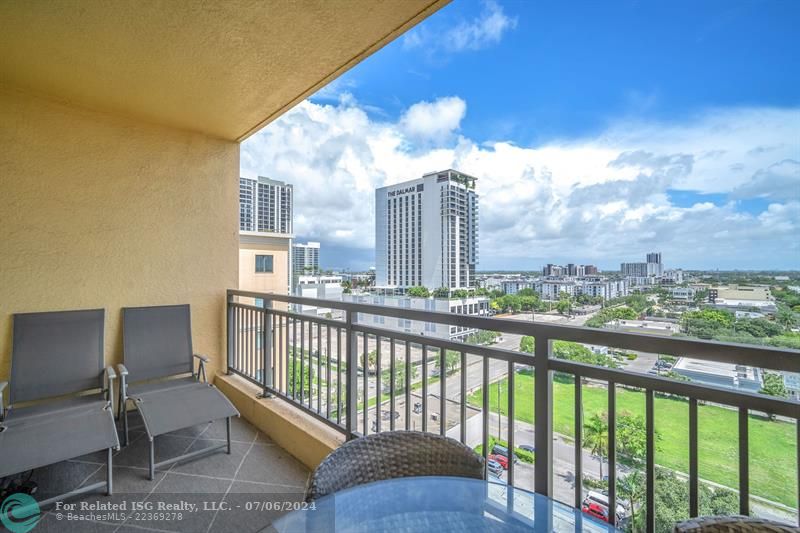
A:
(596, 438)
(631, 487)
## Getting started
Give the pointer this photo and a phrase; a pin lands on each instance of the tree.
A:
(596, 438)
(441, 292)
(564, 307)
(399, 377)
(507, 302)
(632, 436)
(451, 361)
(418, 292)
(632, 488)
(710, 318)
(574, 351)
(372, 361)
(482, 337)
(526, 344)
(458, 293)
(527, 292)
(785, 318)
(774, 385)
(672, 497)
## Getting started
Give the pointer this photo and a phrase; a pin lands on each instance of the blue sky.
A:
(565, 69)
(598, 131)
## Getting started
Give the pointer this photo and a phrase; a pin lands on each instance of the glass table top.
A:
(438, 504)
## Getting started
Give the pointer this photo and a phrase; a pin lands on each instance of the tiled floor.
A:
(230, 493)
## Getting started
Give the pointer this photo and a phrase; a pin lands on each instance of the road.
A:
(563, 449)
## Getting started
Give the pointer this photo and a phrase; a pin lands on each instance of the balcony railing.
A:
(321, 364)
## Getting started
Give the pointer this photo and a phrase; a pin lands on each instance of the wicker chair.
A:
(392, 455)
(731, 524)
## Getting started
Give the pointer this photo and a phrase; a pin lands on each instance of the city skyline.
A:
(572, 165)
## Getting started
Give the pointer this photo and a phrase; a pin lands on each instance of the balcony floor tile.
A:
(220, 485)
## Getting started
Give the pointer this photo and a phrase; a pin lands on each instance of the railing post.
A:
(351, 392)
(229, 327)
(266, 346)
(543, 424)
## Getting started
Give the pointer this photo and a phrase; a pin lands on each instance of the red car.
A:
(596, 510)
(502, 459)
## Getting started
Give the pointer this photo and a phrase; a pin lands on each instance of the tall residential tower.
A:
(265, 205)
(426, 232)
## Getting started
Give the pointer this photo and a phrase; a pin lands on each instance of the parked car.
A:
(527, 448)
(497, 449)
(501, 459)
(495, 468)
(596, 504)
(596, 510)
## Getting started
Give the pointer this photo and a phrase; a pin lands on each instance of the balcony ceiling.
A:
(224, 68)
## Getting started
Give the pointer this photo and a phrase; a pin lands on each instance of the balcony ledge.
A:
(302, 436)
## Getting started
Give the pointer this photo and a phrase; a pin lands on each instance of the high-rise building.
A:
(635, 270)
(265, 205)
(265, 235)
(426, 232)
(305, 258)
(654, 257)
(590, 270)
(552, 270)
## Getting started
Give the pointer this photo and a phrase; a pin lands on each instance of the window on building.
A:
(263, 263)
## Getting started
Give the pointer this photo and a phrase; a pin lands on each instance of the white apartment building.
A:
(265, 205)
(682, 294)
(551, 288)
(426, 232)
(305, 258)
(320, 287)
(514, 286)
(475, 305)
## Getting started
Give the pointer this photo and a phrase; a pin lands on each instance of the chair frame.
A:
(109, 376)
(122, 412)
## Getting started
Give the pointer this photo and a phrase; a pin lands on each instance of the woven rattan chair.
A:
(731, 524)
(391, 455)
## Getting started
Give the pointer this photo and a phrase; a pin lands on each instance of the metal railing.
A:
(335, 368)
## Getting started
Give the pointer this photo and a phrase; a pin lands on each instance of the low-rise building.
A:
(475, 305)
(766, 307)
(720, 374)
(682, 294)
(551, 288)
(791, 380)
(324, 287)
(514, 286)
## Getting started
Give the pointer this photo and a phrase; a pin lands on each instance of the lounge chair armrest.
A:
(122, 370)
(202, 369)
(3, 385)
(108, 382)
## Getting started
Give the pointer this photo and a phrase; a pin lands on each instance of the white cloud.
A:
(603, 199)
(434, 121)
(482, 31)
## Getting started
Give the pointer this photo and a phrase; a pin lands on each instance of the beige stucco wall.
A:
(249, 279)
(98, 210)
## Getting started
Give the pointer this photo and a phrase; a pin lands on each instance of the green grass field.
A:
(773, 463)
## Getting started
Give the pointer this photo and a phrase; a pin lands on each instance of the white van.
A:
(601, 499)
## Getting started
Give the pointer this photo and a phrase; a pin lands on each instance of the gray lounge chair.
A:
(57, 354)
(158, 346)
